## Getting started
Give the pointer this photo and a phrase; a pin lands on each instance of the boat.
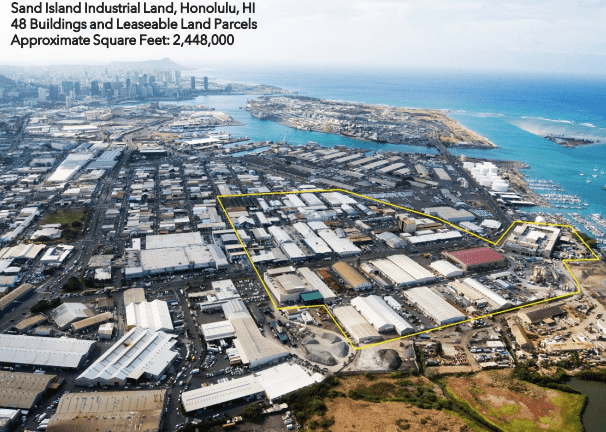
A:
(594, 175)
(596, 168)
(588, 180)
(581, 174)
(602, 172)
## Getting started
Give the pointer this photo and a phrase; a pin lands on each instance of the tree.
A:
(72, 285)
(253, 413)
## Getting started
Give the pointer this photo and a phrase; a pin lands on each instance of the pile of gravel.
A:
(390, 359)
(340, 349)
(330, 337)
(320, 356)
(310, 341)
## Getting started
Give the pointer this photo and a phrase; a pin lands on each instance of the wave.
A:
(548, 119)
(588, 125)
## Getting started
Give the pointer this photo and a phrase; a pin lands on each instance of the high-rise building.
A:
(127, 82)
(53, 92)
(94, 88)
(67, 86)
(152, 79)
(77, 88)
(193, 83)
(205, 83)
(42, 94)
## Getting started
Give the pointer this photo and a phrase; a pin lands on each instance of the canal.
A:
(593, 417)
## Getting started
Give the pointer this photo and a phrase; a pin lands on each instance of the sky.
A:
(547, 36)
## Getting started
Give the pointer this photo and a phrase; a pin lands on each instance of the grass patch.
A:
(64, 217)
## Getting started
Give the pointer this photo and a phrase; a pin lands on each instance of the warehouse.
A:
(450, 214)
(220, 393)
(18, 293)
(360, 330)
(476, 259)
(312, 200)
(92, 321)
(286, 287)
(316, 284)
(37, 351)
(399, 277)
(468, 293)
(254, 348)
(431, 237)
(134, 295)
(342, 246)
(337, 199)
(535, 316)
(218, 330)
(174, 259)
(280, 236)
(118, 411)
(392, 240)
(382, 317)
(23, 390)
(415, 270)
(284, 379)
(489, 294)
(351, 276)
(446, 269)
(173, 240)
(315, 243)
(30, 322)
(433, 306)
(140, 352)
(152, 315)
(261, 235)
(67, 313)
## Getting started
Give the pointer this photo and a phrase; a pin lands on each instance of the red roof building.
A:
(477, 259)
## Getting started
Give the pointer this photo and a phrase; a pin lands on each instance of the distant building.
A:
(205, 83)
(193, 83)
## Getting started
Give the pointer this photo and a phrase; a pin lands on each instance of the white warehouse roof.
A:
(152, 315)
(433, 305)
(411, 267)
(446, 268)
(44, 351)
(217, 330)
(358, 328)
(138, 352)
(173, 240)
(285, 378)
(316, 283)
(487, 293)
(398, 276)
(254, 348)
(341, 246)
(220, 393)
(380, 315)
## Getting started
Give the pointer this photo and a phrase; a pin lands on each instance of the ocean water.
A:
(505, 108)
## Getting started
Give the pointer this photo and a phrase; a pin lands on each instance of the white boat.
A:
(594, 175)
(596, 168)
(602, 172)
(581, 174)
(588, 180)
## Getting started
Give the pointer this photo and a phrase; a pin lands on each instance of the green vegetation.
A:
(72, 285)
(64, 217)
(592, 375)
(523, 373)
(420, 396)
(591, 242)
(309, 401)
(253, 413)
(44, 305)
(463, 406)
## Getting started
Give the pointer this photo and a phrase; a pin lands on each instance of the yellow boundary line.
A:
(565, 262)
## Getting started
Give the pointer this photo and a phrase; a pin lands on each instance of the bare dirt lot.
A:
(358, 415)
(591, 275)
(515, 405)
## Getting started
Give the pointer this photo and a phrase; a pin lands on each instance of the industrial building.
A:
(218, 330)
(134, 295)
(433, 305)
(399, 277)
(273, 383)
(360, 330)
(446, 269)
(482, 258)
(68, 313)
(533, 240)
(341, 246)
(121, 411)
(140, 352)
(92, 321)
(536, 315)
(288, 285)
(494, 298)
(415, 270)
(351, 276)
(16, 294)
(69, 167)
(382, 317)
(23, 390)
(152, 315)
(254, 348)
(67, 353)
(450, 214)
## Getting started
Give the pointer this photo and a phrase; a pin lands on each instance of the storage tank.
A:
(485, 183)
(500, 187)
(463, 158)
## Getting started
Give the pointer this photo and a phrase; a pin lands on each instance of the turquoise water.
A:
(504, 108)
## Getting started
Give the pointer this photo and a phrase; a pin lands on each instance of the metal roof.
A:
(220, 393)
(21, 390)
(43, 351)
(476, 256)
